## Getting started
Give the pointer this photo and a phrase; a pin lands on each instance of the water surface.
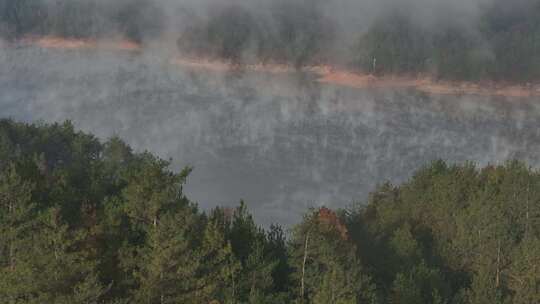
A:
(280, 142)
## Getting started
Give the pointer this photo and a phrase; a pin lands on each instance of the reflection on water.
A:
(282, 143)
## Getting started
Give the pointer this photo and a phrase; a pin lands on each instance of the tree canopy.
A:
(83, 221)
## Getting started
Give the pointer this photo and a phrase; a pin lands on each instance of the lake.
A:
(281, 142)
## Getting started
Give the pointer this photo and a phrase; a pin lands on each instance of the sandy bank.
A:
(325, 74)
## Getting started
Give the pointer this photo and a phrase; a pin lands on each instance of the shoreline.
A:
(52, 42)
(325, 74)
(331, 75)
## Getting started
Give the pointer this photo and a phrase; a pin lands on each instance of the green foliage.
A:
(327, 269)
(86, 222)
(454, 234)
(166, 264)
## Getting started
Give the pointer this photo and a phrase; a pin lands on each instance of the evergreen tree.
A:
(217, 274)
(326, 266)
(167, 263)
(17, 223)
(82, 222)
(52, 268)
(248, 245)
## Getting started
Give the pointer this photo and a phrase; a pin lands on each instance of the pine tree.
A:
(250, 248)
(217, 274)
(167, 262)
(53, 268)
(152, 191)
(17, 224)
(325, 261)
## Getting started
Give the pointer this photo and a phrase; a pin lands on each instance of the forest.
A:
(86, 221)
(135, 20)
(503, 44)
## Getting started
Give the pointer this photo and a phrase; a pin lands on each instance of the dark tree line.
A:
(504, 45)
(293, 32)
(133, 19)
(89, 222)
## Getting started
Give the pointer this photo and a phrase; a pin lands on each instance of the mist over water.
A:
(280, 142)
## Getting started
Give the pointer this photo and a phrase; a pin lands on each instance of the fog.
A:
(349, 17)
(280, 142)
(350, 12)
